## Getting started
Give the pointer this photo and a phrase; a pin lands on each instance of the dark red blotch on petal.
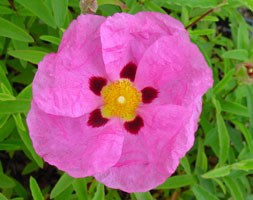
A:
(149, 94)
(129, 71)
(96, 119)
(135, 125)
(96, 84)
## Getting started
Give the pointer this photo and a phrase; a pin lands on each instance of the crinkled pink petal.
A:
(152, 155)
(176, 68)
(126, 37)
(71, 145)
(61, 84)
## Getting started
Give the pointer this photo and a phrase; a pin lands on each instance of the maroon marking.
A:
(135, 125)
(96, 84)
(129, 71)
(249, 67)
(96, 119)
(149, 94)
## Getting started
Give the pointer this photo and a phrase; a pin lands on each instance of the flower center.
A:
(121, 99)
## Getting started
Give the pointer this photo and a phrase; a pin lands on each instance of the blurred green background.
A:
(220, 164)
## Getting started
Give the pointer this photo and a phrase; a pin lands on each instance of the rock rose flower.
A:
(120, 100)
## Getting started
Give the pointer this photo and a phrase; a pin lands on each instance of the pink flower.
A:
(120, 100)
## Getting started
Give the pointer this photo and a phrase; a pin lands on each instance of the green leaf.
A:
(249, 90)
(4, 80)
(23, 133)
(223, 139)
(249, 3)
(177, 182)
(80, 187)
(6, 97)
(218, 172)
(201, 193)
(245, 165)
(35, 189)
(112, 2)
(39, 8)
(201, 161)
(60, 8)
(14, 106)
(234, 108)
(186, 165)
(10, 30)
(153, 7)
(143, 196)
(32, 56)
(237, 54)
(100, 193)
(63, 183)
(195, 3)
(26, 93)
(6, 181)
(242, 36)
(2, 197)
(234, 188)
(200, 32)
(51, 39)
(223, 83)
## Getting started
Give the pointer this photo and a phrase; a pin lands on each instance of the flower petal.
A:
(152, 155)
(61, 84)
(71, 145)
(176, 68)
(126, 37)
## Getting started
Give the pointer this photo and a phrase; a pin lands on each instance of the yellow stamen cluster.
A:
(121, 99)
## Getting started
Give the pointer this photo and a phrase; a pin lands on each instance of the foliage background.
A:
(220, 164)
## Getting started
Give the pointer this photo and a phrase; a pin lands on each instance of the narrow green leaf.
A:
(26, 93)
(237, 54)
(250, 103)
(23, 133)
(100, 193)
(3, 120)
(223, 83)
(186, 165)
(234, 188)
(195, 3)
(201, 193)
(4, 80)
(201, 161)
(63, 183)
(39, 9)
(19, 123)
(51, 39)
(200, 32)
(6, 181)
(35, 189)
(60, 8)
(177, 182)
(234, 108)
(242, 36)
(218, 172)
(154, 7)
(14, 106)
(80, 187)
(112, 2)
(245, 165)
(5, 89)
(223, 139)
(143, 196)
(32, 56)
(2, 197)
(10, 30)
(6, 97)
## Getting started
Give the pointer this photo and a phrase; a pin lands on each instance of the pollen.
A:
(121, 99)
